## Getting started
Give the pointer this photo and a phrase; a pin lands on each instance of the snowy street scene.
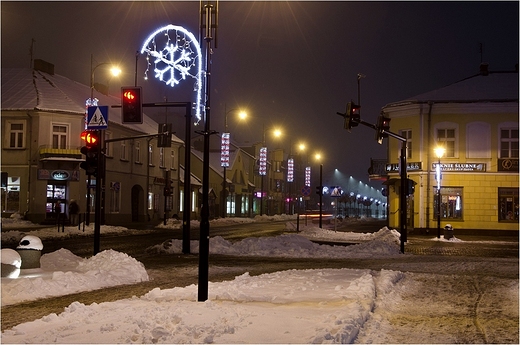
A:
(466, 300)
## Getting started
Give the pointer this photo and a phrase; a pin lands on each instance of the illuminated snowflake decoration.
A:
(175, 56)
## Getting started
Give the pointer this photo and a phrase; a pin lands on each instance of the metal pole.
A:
(439, 202)
(204, 224)
(402, 196)
(186, 215)
(99, 177)
(321, 194)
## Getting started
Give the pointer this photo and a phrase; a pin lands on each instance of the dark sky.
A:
(291, 64)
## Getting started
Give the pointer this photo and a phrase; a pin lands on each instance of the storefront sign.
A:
(466, 167)
(58, 175)
(508, 165)
(412, 166)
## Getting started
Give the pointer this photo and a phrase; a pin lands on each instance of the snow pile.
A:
(332, 305)
(62, 273)
(384, 242)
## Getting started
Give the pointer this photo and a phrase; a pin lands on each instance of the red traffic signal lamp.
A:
(90, 150)
(90, 138)
(352, 116)
(382, 127)
(131, 104)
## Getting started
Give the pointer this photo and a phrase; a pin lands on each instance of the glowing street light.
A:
(439, 152)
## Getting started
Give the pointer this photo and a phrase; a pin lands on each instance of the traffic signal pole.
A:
(186, 215)
(354, 121)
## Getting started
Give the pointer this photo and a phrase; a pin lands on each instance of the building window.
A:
(115, 197)
(16, 135)
(59, 136)
(122, 154)
(108, 146)
(446, 138)
(172, 160)
(509, 143)
(508, 204)
(138, 152)
(451, 203)
(150, 154)
(161, 157)
(150, 200)
(407, 134)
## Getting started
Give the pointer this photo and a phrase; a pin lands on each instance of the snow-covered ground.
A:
(294, 306)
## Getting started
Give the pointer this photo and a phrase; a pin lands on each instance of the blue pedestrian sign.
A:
(97, 117)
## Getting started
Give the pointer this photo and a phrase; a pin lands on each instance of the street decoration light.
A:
(176, 56)
(224, 154)
(439, 152)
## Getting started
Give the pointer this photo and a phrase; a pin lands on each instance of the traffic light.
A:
(319, 190)
(352, 116)
(410, 186)
(90, 150)
(131, 104)
(382, 126)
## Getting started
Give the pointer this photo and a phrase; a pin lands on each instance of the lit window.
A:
(446, 138)
(508, 204)
(451, 203)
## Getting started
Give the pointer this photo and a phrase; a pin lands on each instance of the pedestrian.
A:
(57, 211)
(73, 212)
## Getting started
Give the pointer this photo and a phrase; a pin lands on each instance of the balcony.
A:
(51, 154)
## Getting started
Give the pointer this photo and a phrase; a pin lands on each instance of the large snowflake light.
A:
(175, 55)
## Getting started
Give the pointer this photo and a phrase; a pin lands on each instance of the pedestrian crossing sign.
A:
(97, 117)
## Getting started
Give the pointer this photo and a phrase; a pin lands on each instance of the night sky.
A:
(289, 64)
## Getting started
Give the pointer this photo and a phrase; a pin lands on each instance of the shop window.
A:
(451, 206)
(508, 204)
(509, 143)
(11, 195)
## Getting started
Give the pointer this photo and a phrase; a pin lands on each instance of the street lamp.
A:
(318, 158)
(225, 162)
(101, 172)
(439, 152)
(115, 72)
(277, 133)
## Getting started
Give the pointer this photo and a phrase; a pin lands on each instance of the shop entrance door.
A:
(56, 192)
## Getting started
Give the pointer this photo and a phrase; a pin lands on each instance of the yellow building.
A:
(475, 122)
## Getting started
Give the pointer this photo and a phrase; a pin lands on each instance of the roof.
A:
(25, 89)
(493, 87)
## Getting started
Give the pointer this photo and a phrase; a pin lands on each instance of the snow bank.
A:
(332, 305)
(383, 242)
(62, 273)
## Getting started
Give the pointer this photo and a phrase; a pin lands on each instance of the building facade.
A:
(474, 185)
(43, 116)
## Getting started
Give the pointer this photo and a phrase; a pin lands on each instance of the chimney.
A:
(44, 66)
(484, 68)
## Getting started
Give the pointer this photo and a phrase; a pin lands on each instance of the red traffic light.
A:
(89, 137)
(131, 104)
(129, 95)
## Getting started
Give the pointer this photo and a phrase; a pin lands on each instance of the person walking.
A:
(57, 211)
(73, 212)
